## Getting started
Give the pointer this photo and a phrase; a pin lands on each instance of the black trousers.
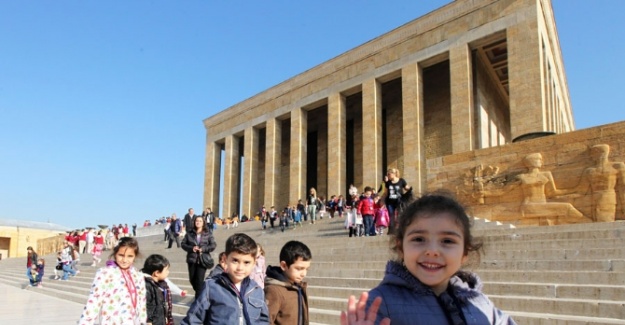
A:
(173, 238)
(196, 277)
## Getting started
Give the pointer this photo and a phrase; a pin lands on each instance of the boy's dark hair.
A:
(293, 250)
(368, 189)
(155, 262)
(242, 244)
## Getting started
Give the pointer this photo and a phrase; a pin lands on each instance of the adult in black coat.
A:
(187, 221)
(198, 240)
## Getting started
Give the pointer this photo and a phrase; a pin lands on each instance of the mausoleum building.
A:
(467, 76)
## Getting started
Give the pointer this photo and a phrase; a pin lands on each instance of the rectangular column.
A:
(336, 145)
(211, 176)
(297, 171)
(372, 133)
(462, 112)
(413, 129)
(231, 176)
(273, 150)
(250, 201)
(527, 96)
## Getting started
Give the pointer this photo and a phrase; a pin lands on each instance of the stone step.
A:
(574, 307)
(572, 291)
(555, 254)
(554, 244)
(556, 277)
(319, 246)
(577, 271)
(382, 253)
(574, 232)
(555, 249)
(375, 269)
(617, 265)
(616, 234)
(324, 316)
(527, 318)
(559, 290)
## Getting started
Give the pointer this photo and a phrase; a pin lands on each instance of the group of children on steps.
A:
(367, 216)
(424, 284)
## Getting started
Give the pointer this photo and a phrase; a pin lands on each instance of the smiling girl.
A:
(425, 284)
(118, 291)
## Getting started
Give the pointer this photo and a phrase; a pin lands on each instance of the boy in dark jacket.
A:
(158, 296)
(231, 297)
(220, 267)
(285, 291)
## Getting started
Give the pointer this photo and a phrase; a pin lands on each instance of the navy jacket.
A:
(407, 301)
(219, 303)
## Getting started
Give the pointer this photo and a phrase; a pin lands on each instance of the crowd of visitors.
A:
(428, 232)
(432, 231)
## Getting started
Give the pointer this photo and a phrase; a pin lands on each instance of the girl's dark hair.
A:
(155, 262)
(429, 206)
(128, 242)
(204, 227)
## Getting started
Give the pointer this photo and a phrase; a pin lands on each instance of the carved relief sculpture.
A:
(536, 186)
(602, 182)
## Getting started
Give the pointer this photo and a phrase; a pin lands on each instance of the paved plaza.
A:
(28, 307)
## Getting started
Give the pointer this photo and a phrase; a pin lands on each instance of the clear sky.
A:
(102, 102)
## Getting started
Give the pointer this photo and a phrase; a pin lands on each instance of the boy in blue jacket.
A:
(232, 297)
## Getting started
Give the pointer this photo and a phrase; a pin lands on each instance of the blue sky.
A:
(102, 102)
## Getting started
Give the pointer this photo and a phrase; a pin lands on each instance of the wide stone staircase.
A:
(570, 274)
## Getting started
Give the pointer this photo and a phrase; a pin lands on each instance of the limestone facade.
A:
(15, 238)
(468, 76)
(575, 177)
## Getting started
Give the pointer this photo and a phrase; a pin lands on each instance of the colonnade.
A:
(264, 141)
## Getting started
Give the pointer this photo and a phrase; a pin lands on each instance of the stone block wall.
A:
(555, 179)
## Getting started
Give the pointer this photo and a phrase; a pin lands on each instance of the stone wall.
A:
(554, 179)
(17, 239)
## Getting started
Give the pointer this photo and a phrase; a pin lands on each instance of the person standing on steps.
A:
(118, 292)
(187, 221)
(396, 187)
(174, 231)
(198, 240)
(31, 261)
(311, 205)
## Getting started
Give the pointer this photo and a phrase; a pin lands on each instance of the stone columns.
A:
(211, 176)
(231, 176)
(273, 151)
(413, 129)
(462, 111)
(527, 113)
(250, 172)
(297, 171)
(371, 133)
(336, 145)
